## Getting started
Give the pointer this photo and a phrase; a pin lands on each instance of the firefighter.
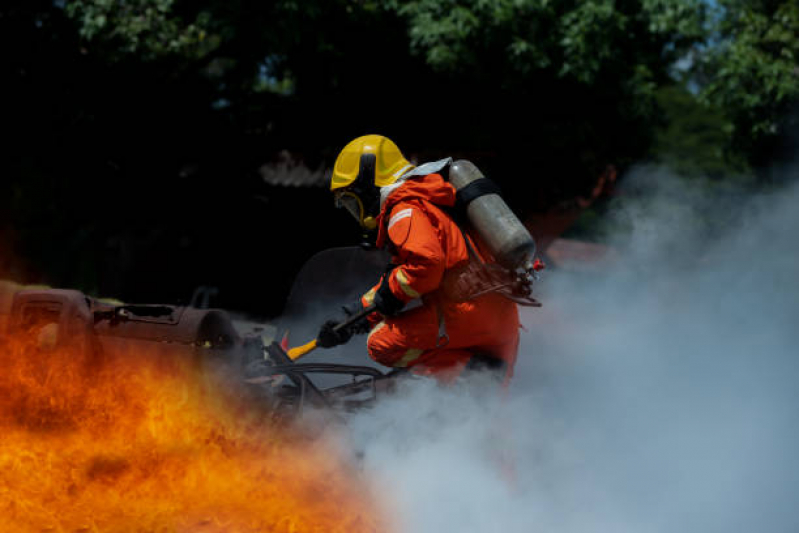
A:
(411, 210)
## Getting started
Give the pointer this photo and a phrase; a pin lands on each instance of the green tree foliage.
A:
(147, 28)
(752, 71)
(563, 39)
(693, 138)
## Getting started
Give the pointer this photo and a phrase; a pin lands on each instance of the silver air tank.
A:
(497, 226)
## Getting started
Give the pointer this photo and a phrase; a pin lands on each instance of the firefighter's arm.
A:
(419, 257)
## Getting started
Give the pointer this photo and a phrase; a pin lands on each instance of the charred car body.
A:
(59, 318)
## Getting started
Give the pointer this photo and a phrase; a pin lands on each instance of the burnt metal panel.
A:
(210, 328)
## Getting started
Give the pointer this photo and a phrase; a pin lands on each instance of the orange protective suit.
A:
(440, 336)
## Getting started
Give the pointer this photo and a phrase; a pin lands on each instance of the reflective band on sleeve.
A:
(404, 284)
(369, 297)
(405, 213)
(410, 356)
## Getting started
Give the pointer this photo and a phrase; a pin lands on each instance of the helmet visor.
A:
(351, 203)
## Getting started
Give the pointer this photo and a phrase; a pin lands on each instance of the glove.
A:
(327, 337)
(385, 301)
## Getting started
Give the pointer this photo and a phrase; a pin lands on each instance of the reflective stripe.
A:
(404, 284)
(401, 171)
(369, 297)
(379, 325)
(410, 356)
(405, 213)
(429, 168)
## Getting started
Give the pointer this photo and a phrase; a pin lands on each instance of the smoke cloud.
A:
(658, 393)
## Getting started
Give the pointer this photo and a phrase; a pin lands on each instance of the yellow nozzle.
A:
(299, 351)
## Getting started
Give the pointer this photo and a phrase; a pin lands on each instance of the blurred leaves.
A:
(677, 18)
(578, 38)
(588, 38)
(752, 68)
(694, 138)
(147, 28)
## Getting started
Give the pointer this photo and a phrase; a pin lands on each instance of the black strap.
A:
(364, 185)
(476, 189)
(366, 171)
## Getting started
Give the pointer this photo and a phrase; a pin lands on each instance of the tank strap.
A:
(472, 252)
(476, 189)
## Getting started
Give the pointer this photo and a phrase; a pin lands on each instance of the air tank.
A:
(496, 225)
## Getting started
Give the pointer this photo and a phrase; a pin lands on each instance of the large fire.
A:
(138, 442)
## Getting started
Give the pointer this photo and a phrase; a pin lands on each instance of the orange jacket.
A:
(425, 242)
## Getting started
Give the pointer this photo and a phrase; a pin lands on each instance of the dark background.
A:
(137, 131)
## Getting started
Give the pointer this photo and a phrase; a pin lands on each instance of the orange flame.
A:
(138, 443)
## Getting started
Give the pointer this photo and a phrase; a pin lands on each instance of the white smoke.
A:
(658, 394)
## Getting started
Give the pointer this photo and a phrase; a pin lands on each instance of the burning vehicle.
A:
(210, 339)
(122, 417)
(157, 417)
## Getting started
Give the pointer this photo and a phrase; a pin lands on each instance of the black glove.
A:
(327, 337)
(385, 301)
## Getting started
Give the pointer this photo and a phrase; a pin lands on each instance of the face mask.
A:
(353, 204)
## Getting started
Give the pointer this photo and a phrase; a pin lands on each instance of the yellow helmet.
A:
(362, 167)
